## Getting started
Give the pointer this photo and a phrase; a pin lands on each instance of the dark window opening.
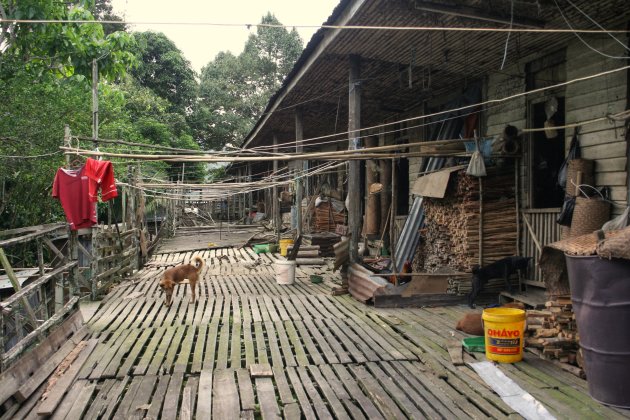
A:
(402, 186)
(547, 156)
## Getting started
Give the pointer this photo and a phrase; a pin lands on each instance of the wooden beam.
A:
(354, 172)
(328, 36)
(30, 229)
(16, 286)
(478, 14)
(29, 237)
(34, 285)
(26, 341)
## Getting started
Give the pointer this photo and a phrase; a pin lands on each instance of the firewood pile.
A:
(552, 334)
(452, 233)
(326, 218)
(325, 241)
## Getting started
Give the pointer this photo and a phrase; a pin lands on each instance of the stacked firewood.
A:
(552, 334)
(453, 224)
(324, 240)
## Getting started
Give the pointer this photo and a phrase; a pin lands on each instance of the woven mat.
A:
(616, 246)
(581, 245)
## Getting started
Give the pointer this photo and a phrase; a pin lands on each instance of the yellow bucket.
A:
(503, 329)
(284, 244)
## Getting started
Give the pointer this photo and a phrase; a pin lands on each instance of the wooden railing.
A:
(539, 229)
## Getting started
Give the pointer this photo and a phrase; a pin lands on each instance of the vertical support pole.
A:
(354, 173)
(276, 202)
(94, 101)
(96, 230)
(40, 265)
(372, 201)
(16, 286)
(67, 142)
(250, 198)
(73, 250)
(394, 210)
(299, 148)
(386, 200)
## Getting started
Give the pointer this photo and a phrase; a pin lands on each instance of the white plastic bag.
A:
(618, 222)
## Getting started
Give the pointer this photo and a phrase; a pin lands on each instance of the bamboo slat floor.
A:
(250, 348)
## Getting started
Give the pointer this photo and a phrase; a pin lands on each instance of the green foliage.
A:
(60, 49)
(165, 71)
(234, 90)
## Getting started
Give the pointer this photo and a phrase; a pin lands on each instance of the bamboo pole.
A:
(16, 286)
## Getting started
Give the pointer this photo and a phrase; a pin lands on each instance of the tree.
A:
(165, 71)
(60, 49)
(235, 89)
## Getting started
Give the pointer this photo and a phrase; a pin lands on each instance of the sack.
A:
(618, 222)
(477, 166)
(566, 214)
(574, 153)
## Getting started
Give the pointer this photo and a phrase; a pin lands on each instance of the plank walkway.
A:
(250, 348)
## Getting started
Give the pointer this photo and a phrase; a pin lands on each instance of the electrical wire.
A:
(589, 46)
(598, 25)
(507, 39)
(30, 156)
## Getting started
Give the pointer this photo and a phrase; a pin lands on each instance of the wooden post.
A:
(16, 286)
(386, 200)
(40, 264)
(67, 142)
(299, 148)
(354, 172)
(94, 101)
(372, 201)
(394, 210)
(95, 258)
(277, 221)
(73, 251)
(250, 198)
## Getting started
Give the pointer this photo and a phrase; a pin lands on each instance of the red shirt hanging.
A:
(101, 175)
(71, 187)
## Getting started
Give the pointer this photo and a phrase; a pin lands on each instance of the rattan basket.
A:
(589, 215)
(585, 166)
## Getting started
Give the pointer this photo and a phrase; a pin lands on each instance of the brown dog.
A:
(176, 275)
(471, 322)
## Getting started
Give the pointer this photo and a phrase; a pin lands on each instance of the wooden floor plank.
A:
(157, 358)
(286, 396)
(352, 385)
(125, 406)
(330, 395)
(245, 390)
(305, 405)
(170, 409)
(285, 345)
(272, 341)
(236, 345)
(157, 400)
(225, 400)
(204, 402)
(184, 355)
(248, 343)
(211, 345)
(298, 347)
(269, 408)
(81, 401)
(137, 348)
(200, 343)
(173, 349)
(322, 343)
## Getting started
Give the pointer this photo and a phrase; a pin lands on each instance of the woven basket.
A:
(585, 166)
(589, 215)
(617, 246)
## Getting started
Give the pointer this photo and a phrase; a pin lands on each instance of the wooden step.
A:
(535, 298)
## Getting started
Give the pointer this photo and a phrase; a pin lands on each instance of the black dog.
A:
(503, 268)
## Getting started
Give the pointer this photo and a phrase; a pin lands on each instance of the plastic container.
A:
(285, 272)
(315, 278)
(600, 291)
(263, 248)
(475, 344)
(503, 330)
(284, 244)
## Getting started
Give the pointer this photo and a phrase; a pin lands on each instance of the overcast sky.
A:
(200, 44)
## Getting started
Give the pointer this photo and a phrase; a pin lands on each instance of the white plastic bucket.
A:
(285, 272)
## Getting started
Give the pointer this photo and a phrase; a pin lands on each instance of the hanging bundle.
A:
(477, 166)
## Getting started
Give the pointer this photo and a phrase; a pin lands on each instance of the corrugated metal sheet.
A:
(362, 285)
